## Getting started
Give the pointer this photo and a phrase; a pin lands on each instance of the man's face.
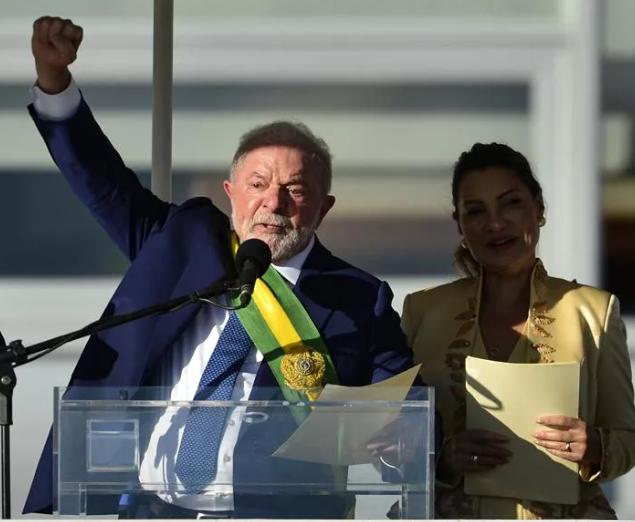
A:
(275, 199)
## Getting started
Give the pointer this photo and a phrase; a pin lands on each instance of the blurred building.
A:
(398, 89)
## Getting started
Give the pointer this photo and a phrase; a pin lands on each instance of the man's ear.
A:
(227, 185)
(326, 206)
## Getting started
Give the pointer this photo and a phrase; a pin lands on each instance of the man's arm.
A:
(400, 446)
(390, 350)
(91, 165)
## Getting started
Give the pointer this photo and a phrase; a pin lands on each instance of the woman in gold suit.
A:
(507, 308)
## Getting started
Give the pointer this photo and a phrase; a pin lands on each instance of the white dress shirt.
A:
(182, 368)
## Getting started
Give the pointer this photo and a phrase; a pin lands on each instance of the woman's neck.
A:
(507, 294)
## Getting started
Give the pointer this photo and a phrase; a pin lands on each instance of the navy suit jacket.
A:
(175, 249)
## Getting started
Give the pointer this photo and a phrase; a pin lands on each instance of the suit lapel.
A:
(208, 264)
(311, 287)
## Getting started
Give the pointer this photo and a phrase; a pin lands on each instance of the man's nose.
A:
(275, 199)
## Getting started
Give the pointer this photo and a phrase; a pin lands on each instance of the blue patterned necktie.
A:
(197, 457)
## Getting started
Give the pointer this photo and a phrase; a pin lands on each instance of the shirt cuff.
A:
(56, 107)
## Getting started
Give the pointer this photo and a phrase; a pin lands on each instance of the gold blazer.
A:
(566, 322)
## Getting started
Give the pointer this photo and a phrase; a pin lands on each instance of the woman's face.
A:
(498, 217)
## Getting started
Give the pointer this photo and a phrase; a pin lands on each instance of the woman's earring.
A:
(463, 244)
(542, 221)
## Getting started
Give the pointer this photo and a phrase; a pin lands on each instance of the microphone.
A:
(252, 261)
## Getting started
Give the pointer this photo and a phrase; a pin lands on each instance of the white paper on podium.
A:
(332, 435)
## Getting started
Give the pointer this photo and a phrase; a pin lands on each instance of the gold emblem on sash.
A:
(303, 368)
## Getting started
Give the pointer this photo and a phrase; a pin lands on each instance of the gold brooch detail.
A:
(303, 368)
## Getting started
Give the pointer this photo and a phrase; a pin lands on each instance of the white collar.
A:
(291, 268)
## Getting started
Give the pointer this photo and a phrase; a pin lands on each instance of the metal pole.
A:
(586, 95)
(5, 442)
(162, 77)
(7, 384)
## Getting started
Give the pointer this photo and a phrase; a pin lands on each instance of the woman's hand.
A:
(569, 438)
(479, 450)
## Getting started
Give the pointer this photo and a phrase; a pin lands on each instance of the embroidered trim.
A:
(458, 350)
(543, 349)
(539, 318)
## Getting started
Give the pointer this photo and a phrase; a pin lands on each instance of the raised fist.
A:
(54, 43)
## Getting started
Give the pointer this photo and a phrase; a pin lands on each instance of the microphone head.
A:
(256, 250)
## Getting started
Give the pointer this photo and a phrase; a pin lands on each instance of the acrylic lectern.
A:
(329, 459)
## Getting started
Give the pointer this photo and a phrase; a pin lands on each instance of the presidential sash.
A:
(283, 332)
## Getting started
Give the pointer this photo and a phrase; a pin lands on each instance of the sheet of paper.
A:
(332, 435)
(508, 398)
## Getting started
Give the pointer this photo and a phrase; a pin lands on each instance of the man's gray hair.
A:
(315, 152)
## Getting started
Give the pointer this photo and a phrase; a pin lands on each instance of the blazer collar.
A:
(538, 287)
(539, 316)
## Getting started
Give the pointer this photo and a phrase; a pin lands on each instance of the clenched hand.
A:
(54, 44)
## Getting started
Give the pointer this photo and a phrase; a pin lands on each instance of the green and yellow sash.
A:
(283, 332)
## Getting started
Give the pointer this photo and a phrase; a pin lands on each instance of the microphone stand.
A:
(16, 354)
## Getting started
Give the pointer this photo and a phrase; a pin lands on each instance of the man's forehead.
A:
(272, 155)
(287, 164)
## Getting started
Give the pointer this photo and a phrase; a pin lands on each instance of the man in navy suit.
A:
(279, 188)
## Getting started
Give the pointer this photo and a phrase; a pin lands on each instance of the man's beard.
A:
(284, 245)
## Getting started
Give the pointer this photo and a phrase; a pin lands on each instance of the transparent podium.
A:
(120, 450)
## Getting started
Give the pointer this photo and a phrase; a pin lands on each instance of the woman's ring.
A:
(567, 446)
